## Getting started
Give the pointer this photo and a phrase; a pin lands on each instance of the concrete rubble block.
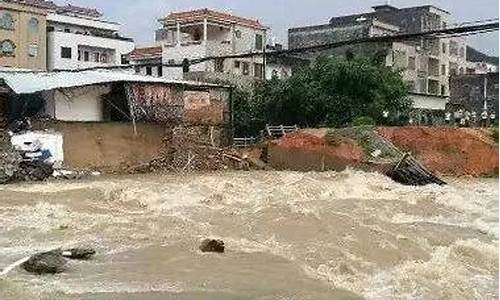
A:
(51, 262)
(211, 245)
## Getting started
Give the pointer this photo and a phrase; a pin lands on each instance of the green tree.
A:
(330, 92)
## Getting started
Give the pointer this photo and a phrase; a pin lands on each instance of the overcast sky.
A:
(138, 17)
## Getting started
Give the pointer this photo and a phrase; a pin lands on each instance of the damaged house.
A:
(109, 118)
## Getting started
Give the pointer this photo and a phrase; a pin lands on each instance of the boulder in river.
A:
(78, 253)
(51, 262)
(210, 245)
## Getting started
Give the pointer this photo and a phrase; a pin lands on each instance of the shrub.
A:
(494, 134)
(363, 121)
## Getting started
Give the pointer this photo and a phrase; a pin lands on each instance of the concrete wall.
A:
(108, 145)
(24, 38)
(324, 34)
(429, 102)
(65, 21)
(82, 104)
(469, 91)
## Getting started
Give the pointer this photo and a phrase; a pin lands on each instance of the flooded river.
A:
(288, 235)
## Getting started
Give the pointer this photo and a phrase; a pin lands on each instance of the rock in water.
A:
(210, 245)
(51, 262)
(78, 253)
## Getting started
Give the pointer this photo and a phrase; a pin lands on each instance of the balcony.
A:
(196, 40)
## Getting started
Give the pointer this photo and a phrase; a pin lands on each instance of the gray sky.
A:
(139, 16)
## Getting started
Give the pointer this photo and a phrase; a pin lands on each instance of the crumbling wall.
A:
(180, 105)
(324, 34)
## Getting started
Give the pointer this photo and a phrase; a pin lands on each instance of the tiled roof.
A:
(68, 9)
(211, 15)
(146, 52)
(35, 3)
(77, 10)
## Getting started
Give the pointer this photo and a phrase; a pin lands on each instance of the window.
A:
(160, 71)
(7, 48)
(443, 46)
(171, 61)
(67, 30)
(86, 56)
(237, 64)
(50, 28)
(149, 71)
(104, 58)
(33, 25)
(461, 71)
(258, 70)
(259, 41)
(95, 57)
(411, 63)
(137, 69)
(197, 35)
(237, 33)
(6, 21)
(124, 59)
(65, 52)
(246, 68)
(443, 90)
(443, 70)
(219, 65)
(33, 50)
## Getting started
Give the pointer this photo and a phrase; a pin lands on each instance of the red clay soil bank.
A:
(448, 151)
(345, 149)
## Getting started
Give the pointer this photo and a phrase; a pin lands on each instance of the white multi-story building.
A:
(78, 38)
(206, 33)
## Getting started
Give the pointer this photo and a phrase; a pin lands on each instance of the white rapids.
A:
(288, 235)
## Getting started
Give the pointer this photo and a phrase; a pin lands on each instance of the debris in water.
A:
(210, 245)
(51, 262)
(78, 253)
(409, 171)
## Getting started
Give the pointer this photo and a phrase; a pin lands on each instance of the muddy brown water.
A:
(288, 235)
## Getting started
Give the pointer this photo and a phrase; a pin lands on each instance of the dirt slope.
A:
(449, 151)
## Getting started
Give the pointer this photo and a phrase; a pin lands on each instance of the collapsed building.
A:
(105, 119)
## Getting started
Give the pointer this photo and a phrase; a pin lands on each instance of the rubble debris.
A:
(183, 152)
(33, 171)
(9, 158)
(78, 253)
(51, 262)
(74, 175)
(210, 245)
(15, 167)
(409, 171)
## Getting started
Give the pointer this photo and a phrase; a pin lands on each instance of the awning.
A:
(27, 82)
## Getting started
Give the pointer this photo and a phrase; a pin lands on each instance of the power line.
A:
(440, 33)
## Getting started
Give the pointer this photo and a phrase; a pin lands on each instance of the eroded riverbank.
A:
(288, 235)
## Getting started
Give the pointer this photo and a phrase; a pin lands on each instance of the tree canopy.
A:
(331, 92)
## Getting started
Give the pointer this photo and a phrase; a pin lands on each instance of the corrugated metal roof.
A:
(24, 82)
